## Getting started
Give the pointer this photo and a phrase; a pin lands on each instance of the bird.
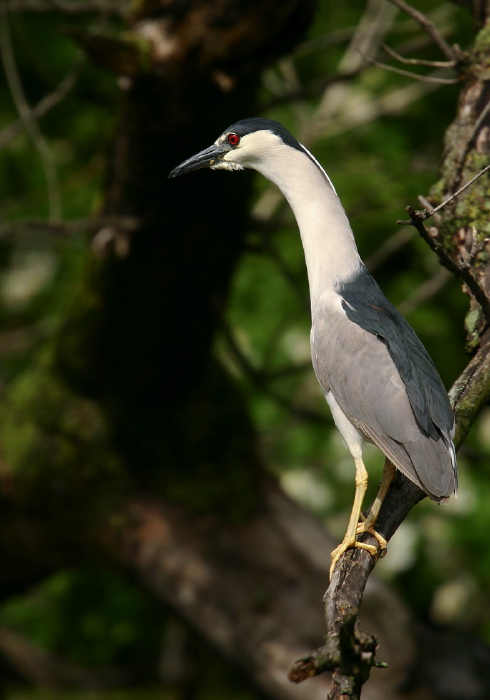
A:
(378, 379)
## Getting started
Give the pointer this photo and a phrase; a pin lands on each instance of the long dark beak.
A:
(204, 159)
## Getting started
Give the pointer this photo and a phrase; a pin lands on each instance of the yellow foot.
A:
(350, 544)
(370, 529)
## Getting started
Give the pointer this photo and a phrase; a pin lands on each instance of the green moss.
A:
(472, 325)
(57, 447)
(482, 41)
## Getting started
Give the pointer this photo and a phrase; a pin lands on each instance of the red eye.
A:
(233, 139)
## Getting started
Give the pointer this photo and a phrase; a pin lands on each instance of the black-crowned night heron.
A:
(378, 379)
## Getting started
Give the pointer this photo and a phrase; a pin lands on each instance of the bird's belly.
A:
(352, 436)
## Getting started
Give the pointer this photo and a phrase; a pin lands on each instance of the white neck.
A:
(328, 242)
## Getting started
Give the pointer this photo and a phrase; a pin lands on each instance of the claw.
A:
(345, 545)
(350, 544)
(366, 524)
(383, 544)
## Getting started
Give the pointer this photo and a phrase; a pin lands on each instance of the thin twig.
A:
(29, 121)
(410, 74)
(425, 203)
(261, 379)
(309, 89)
(47, 103)
(20, 339)
(461, 270)
(425, 291)
(427, 213)
(391, 246)
(417, 61)
(288, 275)
(325, 41)
(476, 247)
(129, 224)
(428, 27)
(109, 9)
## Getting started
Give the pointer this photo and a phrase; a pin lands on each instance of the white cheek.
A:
(226, 165)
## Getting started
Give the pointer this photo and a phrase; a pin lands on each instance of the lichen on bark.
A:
(466, 220)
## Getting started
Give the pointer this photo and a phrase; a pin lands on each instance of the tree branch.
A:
(311, 89)
(128, 224)
(462, 270)
(427, 26)
(470, 392)
(411, 74)
(43, 106)
(262, 379)
(417, 61)
(28, 119)
(106, 8)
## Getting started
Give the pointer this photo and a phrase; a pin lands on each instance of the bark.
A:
(464, 221)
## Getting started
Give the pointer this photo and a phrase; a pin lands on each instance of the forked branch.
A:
(427, 26)
(461, 268)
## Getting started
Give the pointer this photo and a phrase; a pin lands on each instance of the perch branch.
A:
(425, 291)
(347, 652)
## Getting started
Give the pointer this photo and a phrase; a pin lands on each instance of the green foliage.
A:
(89, 616)
(379, 166)
(57, 448)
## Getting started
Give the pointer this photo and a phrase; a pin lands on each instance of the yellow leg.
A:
(350, 540)
(368, 523)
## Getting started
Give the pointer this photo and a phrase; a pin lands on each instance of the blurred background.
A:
(103, 338)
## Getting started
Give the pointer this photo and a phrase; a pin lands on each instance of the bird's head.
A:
(248, 143)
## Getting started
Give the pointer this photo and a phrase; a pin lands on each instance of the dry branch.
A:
(47, 103)
(462, 268)
(28, 119)
(128, 224)
(427, 26)
(417, 61)
(411, 74)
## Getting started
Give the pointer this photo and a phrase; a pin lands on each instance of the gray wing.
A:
(385, 382)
